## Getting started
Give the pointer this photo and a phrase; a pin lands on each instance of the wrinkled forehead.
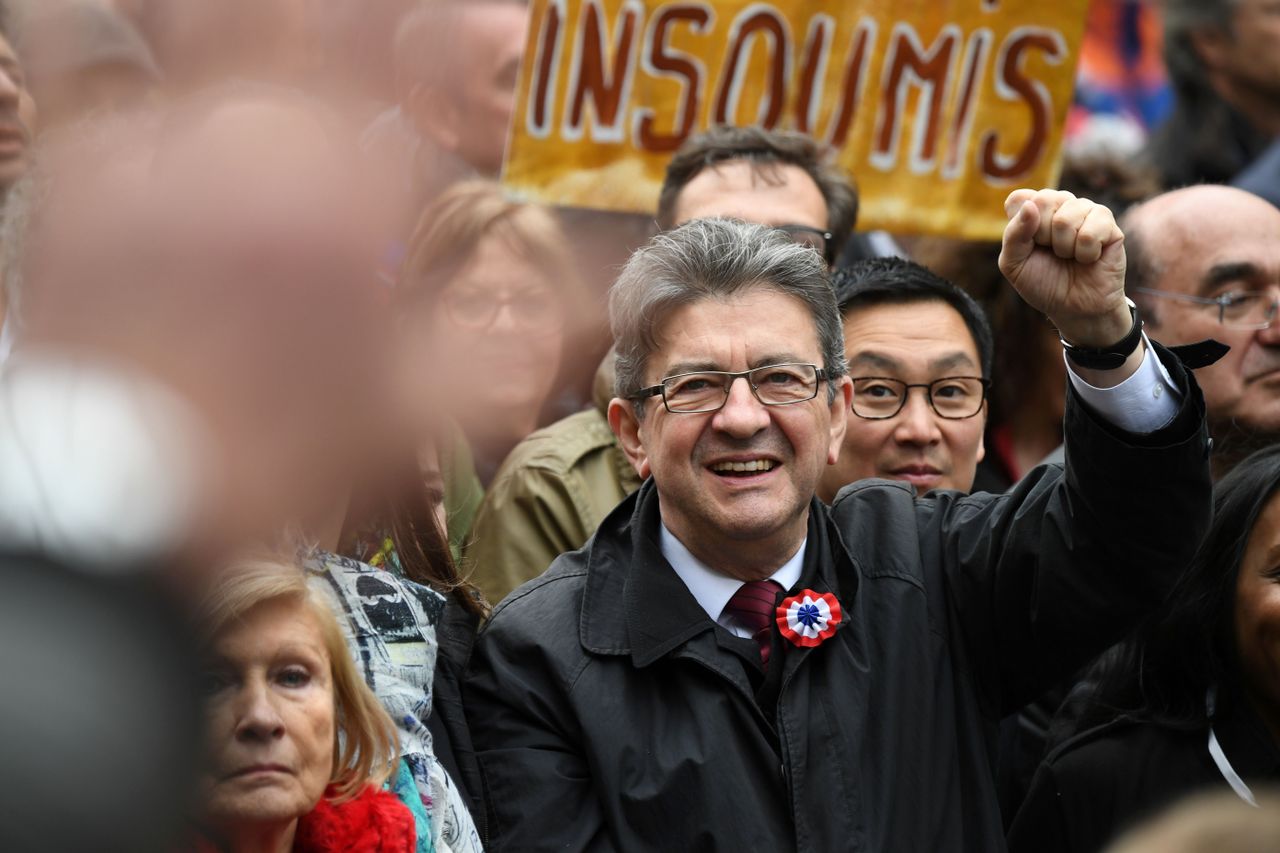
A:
(757, 326)
(766, 193)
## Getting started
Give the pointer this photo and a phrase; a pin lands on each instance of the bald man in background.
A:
(1204, 262)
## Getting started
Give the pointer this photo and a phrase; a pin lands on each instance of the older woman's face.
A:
(498, 331)
(1258, 613)
(269, 718)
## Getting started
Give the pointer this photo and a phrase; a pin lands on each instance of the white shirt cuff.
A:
(1145, 402)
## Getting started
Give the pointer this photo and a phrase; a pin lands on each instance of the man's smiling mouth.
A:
(754, 466)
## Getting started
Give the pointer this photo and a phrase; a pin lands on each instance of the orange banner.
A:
(937, 107)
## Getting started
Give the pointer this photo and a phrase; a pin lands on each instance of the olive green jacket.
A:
(547, 498)
(462, 491)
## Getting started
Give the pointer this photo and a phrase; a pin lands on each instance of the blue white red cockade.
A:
(809, 618)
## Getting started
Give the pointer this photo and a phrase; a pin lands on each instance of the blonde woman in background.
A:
(298, 747)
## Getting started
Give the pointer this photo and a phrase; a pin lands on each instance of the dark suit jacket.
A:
(611, 713)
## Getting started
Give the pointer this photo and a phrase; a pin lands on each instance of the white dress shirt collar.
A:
(711, 589)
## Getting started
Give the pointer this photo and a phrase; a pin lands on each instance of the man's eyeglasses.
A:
(1248, 309)
(954, 397)
(708, 390)
(805, 235)
(534, 311)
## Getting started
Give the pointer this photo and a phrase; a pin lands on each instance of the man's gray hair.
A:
(715, 259)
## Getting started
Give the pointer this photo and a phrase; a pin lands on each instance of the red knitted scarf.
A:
(374, 822)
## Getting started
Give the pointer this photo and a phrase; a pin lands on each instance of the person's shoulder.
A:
(562, 445)
(537, 628)
(1121, 748)
(864, 492)
(554, 595)
(888, 505)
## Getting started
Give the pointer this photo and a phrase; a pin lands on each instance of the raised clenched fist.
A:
(1065, 256)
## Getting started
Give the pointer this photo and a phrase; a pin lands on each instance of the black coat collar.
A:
(634, 602)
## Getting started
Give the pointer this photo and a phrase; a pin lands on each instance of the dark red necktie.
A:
(754, 605)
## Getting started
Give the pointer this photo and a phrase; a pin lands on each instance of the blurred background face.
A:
(231, 271)
(1258, 614)
(493, 340)
(17, 117)
(493, 35)
(1249, 55)
(1212, 241)
(270, 231)
(467, 112)
(269, 719)
(915, 343)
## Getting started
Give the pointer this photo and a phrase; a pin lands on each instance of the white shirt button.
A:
(1157, 391)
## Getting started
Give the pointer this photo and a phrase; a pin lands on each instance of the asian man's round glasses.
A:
(708, 390)
(955, 398)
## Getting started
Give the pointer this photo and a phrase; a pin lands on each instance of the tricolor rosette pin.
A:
(809, 618)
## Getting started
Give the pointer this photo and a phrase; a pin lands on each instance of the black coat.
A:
(450, 739)
(1104, 781)
(610, 713)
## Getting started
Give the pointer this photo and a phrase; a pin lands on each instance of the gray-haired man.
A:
(729, 664)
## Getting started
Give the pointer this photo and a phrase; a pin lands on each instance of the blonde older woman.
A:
(299, 748)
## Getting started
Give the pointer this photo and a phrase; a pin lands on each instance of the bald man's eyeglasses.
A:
(1246, 309)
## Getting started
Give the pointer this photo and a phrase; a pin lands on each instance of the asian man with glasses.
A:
(919, 352)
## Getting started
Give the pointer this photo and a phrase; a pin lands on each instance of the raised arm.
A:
(1044, 578)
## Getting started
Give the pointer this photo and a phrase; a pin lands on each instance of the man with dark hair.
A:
(772, 177)
(919, 353)
(1223, 58)
(1205, 263)
(729, 664)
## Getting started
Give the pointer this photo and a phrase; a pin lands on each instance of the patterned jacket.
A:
(390, 625)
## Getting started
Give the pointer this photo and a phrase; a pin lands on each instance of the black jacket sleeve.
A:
(1044, 578)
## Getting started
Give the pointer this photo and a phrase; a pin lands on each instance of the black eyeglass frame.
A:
(821, 374)
(1221, 302)
(826, 236)
(928, 395)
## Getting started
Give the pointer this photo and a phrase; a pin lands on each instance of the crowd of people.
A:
(349, 502)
